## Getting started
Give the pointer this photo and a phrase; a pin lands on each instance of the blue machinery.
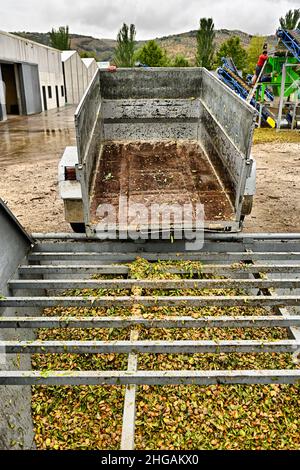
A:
(229, 75)
(291, 40)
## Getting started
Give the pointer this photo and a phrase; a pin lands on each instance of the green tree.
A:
(124, 52)
(254, 50)
(291, 20)
(60, 39)
(205, 43)
(233, 48)
(180, 61)
(153, 55)
(88, 55)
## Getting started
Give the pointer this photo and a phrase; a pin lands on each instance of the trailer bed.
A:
(160, 173)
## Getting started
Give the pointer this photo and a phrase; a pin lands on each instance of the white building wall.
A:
(91, 71)
(85, 75)
(92, 67)
(16, 50)
(68, 81)
(2, 100)
(78, 74)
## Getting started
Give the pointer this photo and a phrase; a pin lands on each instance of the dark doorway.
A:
(11, 96)
(44, 98)
(57, 96)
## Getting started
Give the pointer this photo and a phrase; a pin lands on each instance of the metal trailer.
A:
(187, 105)
(36, 270)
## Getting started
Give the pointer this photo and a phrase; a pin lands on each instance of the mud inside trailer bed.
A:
(160, 173)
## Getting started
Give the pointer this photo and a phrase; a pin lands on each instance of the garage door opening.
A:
(10, 89)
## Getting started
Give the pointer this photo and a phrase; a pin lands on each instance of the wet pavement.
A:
(28, 139)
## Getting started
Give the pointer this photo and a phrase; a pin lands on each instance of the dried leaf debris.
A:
(168, 417)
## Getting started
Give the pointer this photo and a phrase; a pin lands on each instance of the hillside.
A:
(184, 43)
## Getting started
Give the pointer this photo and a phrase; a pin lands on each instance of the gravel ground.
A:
(30, 148)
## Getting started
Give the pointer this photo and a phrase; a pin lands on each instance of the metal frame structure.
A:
(282, 95)
(265, 266)
(228, 74)
(291, 40)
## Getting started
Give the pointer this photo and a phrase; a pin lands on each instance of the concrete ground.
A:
(30, 148)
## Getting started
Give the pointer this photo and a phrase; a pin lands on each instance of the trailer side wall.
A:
(16, 429)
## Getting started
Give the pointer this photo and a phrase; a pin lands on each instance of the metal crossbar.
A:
(127, 438)
(163, 347)
(269, 321)
(190, 256)
(161, 284)
(152, 301)
(263, 271)
(124, 270)
(178, 377)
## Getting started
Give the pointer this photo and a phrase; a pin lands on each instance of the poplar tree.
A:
(124, 52)
(60, 39)
(205, 43)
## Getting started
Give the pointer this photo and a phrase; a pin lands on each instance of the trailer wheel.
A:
(78, 227)
(247, 205)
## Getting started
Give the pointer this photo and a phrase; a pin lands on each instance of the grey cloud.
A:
(103, 18)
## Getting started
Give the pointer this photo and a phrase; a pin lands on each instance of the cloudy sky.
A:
(153, 18)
